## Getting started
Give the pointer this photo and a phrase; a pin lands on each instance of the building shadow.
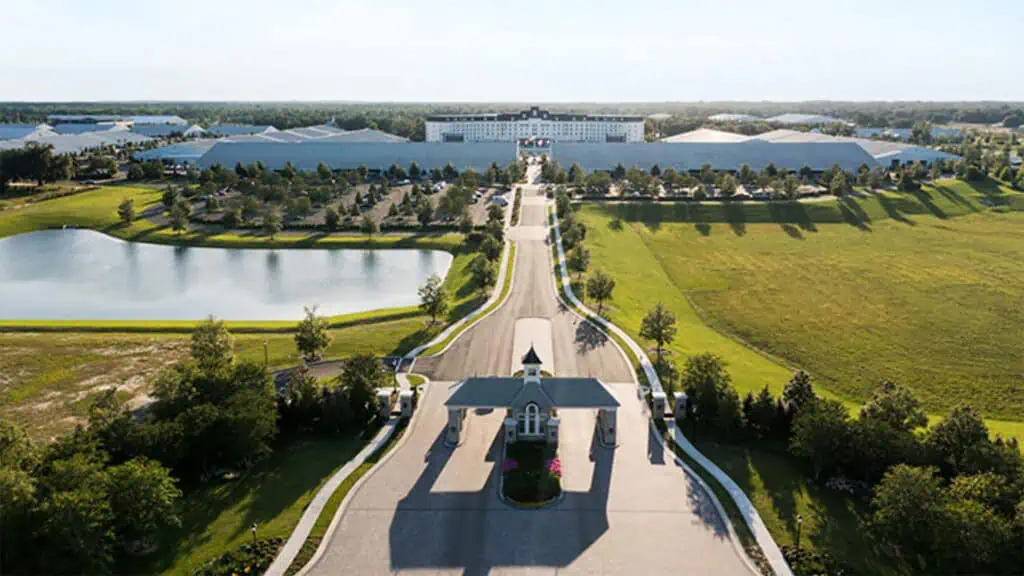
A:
(475, 531)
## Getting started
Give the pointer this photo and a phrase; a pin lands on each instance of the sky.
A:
(500, 51)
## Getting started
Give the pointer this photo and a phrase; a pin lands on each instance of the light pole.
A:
(266, 356)
(799, 523)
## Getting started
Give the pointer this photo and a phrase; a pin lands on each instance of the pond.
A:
(83, 274)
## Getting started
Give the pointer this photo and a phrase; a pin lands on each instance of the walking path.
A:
(753, 520)
(309, 516)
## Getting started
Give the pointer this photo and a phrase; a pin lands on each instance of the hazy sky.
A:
(466, 50)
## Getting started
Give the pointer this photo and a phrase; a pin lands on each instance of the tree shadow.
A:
(792, 231)
(588, 337)
(926, 200)
(735, 214)
(892, 210)
(792, 212)
(954, 196)
(853, 214)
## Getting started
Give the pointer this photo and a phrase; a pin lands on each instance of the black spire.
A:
(531, 357)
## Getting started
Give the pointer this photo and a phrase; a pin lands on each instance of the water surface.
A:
(83, 274)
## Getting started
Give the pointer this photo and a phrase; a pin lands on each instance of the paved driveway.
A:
(486, 349)
(436, 509)
(431, 508)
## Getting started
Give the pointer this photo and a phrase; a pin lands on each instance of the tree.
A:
(907, 509)
(231, 218)
(659, 325)
(126, 211)
(272, 222)
(143, 498)
(959, 442)
(491, 248)
(331, 218)
(424, 212)
(414, 171)
(495, 213)
(323, 172)
(821, 433)
(620, 172)
(466, 222)
(837, 186)
(393, 210)
(896, 407)
(180, 214)
(169, 197)
(599, 288)
(361, 375)
(483, 272)
(747, 175)
(579, 260)
(790, 186)
(212, 346)
(728, 186)
(311, 335)
(369, 226)
(798, 392)
(135, 172)
(706, 383)
(433, 298)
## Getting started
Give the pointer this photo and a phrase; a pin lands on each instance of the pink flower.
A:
(554, 467)
(509, 465)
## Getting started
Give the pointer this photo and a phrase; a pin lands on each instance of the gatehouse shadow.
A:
(475, 532)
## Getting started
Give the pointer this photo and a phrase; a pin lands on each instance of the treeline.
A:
(37, 163)
(83, 503)
(945, 499)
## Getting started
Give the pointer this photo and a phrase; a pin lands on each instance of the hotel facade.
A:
(534, 124)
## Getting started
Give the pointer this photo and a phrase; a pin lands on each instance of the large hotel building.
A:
(534, 124)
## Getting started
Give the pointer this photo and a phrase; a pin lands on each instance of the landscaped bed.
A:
(532, 473)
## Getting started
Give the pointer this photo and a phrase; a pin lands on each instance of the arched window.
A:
(532, 419)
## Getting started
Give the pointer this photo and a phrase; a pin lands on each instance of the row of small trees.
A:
(599, 285)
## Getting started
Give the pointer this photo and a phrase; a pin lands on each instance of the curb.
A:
(343, 507)
(293, 545)
(471, 318)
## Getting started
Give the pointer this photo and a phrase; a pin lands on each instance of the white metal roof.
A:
(706, 135)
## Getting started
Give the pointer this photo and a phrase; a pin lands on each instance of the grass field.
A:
(928, 302)
(843, 292)
(781, 491)
(218, 518)
(48, 379)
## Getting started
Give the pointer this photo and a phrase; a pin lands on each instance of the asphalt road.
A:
(434, 509)
(486, 349)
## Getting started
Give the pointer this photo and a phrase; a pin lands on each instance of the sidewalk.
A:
(312, 512)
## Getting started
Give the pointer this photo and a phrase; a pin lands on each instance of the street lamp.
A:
(799, 523)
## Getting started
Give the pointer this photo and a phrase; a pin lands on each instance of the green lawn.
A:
(473, 299)
(780, 491)
(925, 301)
(218, 518)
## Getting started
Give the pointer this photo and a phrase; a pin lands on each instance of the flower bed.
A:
(532, 473)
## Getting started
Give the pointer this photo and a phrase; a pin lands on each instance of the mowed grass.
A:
(218, 518)
(925, 301)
